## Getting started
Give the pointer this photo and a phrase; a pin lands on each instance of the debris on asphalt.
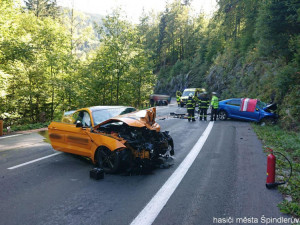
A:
(178, 115)
(97, 173)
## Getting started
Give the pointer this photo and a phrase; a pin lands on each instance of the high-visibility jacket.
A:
(190, 104)
(178, 98)
(196, 99)
(203, 103)
(214, 102)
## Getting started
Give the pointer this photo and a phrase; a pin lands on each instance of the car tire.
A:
(108, 160)
(223, 115)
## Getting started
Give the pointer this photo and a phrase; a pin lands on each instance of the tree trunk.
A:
(52, 96)
(30, 99)
(139, 91)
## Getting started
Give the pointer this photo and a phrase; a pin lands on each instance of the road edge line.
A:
(32, 161)
(159, 200)
(14, 135)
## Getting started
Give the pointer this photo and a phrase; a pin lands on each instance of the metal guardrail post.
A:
(1, 127)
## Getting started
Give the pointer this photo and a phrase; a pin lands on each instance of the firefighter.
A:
(214, 106)
(190, 105)
(203, 106)
(178, 95)
(196, 99)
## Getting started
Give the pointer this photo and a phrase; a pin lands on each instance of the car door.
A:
(65, 136)
(233, 107)
(78, 138)
(234, 110)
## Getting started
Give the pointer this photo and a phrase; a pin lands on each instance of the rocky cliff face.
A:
(179, 82)
(232, 75)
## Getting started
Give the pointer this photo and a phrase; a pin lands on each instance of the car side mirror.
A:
(79, 123)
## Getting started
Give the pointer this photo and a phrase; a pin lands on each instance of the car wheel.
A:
(108, 160)
(223, 115)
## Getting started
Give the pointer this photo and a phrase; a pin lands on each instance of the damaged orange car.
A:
(113, 137)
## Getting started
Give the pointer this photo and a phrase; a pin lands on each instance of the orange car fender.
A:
(99, 140)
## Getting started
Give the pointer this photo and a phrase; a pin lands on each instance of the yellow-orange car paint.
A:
(67, 137)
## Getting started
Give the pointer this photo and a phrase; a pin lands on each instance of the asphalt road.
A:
(225, 182)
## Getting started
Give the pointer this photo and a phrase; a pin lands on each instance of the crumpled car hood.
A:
(272, 106)
(143, 118)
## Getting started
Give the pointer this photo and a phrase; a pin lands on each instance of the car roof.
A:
(190, 89)
(230, 99)
(233, 99)
(103, 107)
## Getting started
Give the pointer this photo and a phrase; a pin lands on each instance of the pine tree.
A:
(43, 8)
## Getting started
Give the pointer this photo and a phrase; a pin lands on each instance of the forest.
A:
(54, 59)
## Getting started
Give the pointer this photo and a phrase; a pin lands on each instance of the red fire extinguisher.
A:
(271, 167)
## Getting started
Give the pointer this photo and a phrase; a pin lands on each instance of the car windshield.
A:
(186, 93)
(261, 105)
(104, 114)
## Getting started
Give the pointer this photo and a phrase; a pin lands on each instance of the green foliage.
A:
(43, 8)
(287, 143)
(292, 208)
(37, 69)
(276, 23)
(52, 62)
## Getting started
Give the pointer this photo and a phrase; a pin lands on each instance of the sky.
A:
(132, 8)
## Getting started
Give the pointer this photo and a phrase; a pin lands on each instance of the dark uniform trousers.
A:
(191, 114)
(203, 106)
(191, 109)
(214, 113)
(203, 112)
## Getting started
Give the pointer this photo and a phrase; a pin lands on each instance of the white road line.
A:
(158, 201)
(32, 161)
(10, 136)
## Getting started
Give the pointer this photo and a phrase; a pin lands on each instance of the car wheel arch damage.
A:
(141, 145)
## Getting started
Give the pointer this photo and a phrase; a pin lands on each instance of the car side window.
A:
(234, 102)
(68, 119)
(83, 117)
(76, 117)
(86, 121)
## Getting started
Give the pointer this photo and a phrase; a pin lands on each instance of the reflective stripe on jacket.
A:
(190, 104)
(203, 103)
(196, 99)
(214, 102)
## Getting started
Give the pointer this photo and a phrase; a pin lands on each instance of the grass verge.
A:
(287, 143)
